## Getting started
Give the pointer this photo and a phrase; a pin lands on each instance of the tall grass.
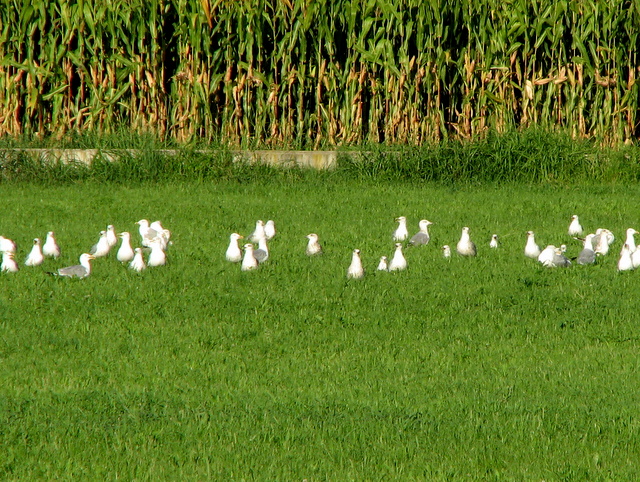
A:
(306, 74)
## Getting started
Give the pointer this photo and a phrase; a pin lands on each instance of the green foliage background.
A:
(310, 73)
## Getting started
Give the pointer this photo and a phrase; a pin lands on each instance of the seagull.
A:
(446, 251)
(162, 234)
(234, 254)
(531, 249)
(81, 270)
(125, 253)
(313, 247)
(262, 253)
(137, 264)
(546, 255)
(51, 247)
(587, 255)
(355, 271)
(35, 257)
(9, 264)
(630, 241)
(258, 232)
(101, 248)
(494, 241)
(147, 233)
(398, 262)
(7, 245)
(625, 263)
(465, 246)
(421, 237)
(270, 230)
(112, 238)
(401, 233)
(602, 241)
(383, 265)
(559, 260)
(249, 261)
(574, 228)
(157, 257)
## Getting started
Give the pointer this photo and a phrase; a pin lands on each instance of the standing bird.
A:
(270, 230)
(234, 253)
(262, 253)
(249, 261)
(81, 270)
(137, 263)
(101, 248)
(465, 246)
(421, 238)
(574, 227)
(9, 264)
(7, 245)
(398, 262)
(51, 248)
(258, 232)
(355, 270)
(383, 265)
(401, 232)
(494, 241)
(35, 257)
(446, 251)
(157, 256)
(125, 253)
(625, 263)
(630, 241)
(531, 249)
(587, 255)
(313, 246)
(602, 240)
(112, 238)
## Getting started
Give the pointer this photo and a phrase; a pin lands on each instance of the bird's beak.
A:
(92, 256)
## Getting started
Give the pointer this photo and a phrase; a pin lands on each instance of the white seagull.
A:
(7, 245)
(157, 256)
(602, 240)
(101, 248)
(383, 265)
(421, 237)
(625, 262)
(81, 270)
(258, 232)
(270, 229)
(35, 257)
(531, 249)
(546, 255)
(446, 251)
(112, 238)
(137, 263)
(51, 248)
(494, 241)
(355, 270)
(574, 227)
(9, 264)
(630, 241)
(149, 234)
(398, 262)
(465, 246)
(249, 261)
(234, 253)
(262, 253)
(313, 246)
(125, 252)
(401, 233)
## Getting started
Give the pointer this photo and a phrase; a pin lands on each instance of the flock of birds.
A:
(154, 238)
(594, 245)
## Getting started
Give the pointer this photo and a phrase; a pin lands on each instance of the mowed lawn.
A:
(488, 368)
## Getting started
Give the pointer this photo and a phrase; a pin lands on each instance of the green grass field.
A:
(489, 368)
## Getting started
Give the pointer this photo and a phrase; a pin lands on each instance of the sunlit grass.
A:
(486, 368)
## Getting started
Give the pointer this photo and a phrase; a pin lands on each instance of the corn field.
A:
(312, 73)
